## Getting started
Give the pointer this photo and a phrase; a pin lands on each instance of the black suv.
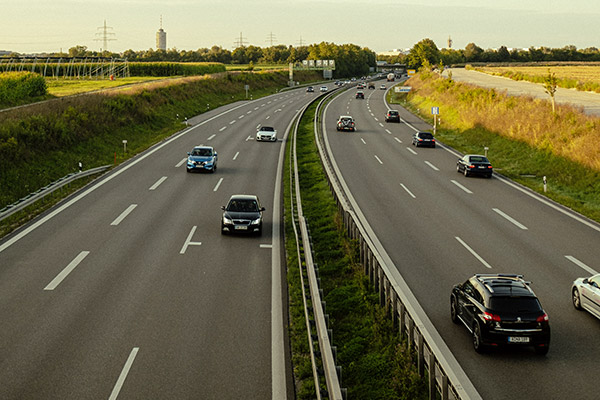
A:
(500, 309)
(392, 116)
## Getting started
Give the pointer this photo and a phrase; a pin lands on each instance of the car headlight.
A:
(227, 220)
(255, 222)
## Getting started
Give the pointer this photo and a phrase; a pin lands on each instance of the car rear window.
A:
(426, 135)
(393, 112)
(515, 304)
(478, 159)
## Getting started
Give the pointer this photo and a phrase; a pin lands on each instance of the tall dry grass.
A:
(567, 133)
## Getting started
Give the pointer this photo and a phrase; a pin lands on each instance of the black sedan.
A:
(243, 213)
(474, 164)
(423, 139)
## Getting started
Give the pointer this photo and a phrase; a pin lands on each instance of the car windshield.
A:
(267, 128)
(242, 206)
(478, 159)
(202, 152)
(514, 304)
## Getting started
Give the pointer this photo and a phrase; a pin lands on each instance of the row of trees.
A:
(426, 50)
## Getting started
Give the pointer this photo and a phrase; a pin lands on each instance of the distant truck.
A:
(391, 77)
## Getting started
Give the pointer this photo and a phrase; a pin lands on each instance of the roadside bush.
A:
(20, 87)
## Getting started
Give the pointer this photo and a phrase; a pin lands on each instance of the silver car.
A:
(586, 294)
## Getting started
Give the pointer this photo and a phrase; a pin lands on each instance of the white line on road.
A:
(511, 219)
(378, 159)
(255, 108)
(268, 116)
(124, 372)
(408, 191)
(582, 265)
(477, 256)
(188, 241)
(363, 140)
(241, 116)
(388, 131)
(397, 140)
(249, 138)
(236, 155)
(432, 166)
(211, 137)
(266, 246)
(411, 150)
(158, 182)
(125, 213)
(375, 118)
(180, 163)
(222, 129)
(461, 186)
(65, 272)
(232, 122)
(218, 184)
(249, 112)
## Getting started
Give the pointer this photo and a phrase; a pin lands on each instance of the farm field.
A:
(580, 77)
(66, 87)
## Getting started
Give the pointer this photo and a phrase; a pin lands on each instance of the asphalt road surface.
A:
(440, 228)
(128, 289)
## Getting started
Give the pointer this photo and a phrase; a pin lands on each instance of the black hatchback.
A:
(500, 310)
(243, 213)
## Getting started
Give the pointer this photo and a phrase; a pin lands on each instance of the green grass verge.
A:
(66, 87)
(375, 362)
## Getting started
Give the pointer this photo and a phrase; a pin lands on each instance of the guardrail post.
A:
(402, 320)
(432, 391)
(445, 387)
(381, 285)
(394, 309)
(411, 333)
(420, 356)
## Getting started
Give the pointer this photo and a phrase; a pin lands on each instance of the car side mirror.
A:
(223, 208)
(215, 153)
(586, 280)
(188, 153)
(262, 209)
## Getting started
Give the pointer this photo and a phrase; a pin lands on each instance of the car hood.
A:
(242, 215)
(201, 158)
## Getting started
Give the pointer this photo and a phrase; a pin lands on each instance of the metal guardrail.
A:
(46, 190)
(446, 376)
(319, 319)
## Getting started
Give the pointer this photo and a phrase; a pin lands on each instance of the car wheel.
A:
(188, 170)
(458, 168)
(542, 350)
(477, 345)
(465, 172)
(576, 299)
(489, 176)
(454, 310)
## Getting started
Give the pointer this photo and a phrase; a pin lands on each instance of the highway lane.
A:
(132, 292)
(439, 228)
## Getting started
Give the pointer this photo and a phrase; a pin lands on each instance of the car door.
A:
(594, 295)
(466, 306)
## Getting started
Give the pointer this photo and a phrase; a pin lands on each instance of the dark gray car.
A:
(243, 213)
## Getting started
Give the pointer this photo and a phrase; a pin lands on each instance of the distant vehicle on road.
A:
(202, 158)
(346, 123)
(392, 116)
(382, 87)
(371, 85)
(500, 310)
(243, 213)
(391, 77)
(266, 134)
(310, 89)
(586, 294)
(323, 88)
(425, 139)
(474, 164)
(360, 95)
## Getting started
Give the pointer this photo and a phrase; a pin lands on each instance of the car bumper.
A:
(266, 138)
(240, 228)
(199, 167)
(516, 338)
(477, 171)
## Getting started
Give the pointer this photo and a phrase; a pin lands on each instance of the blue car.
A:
(202, 158)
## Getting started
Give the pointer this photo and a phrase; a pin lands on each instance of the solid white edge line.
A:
(110, 177)
(124, 373)
(218, 184)
(124, 214)
(408, 191)
(461, 186)
(477, 256)
(158, 182)
(66, 271)
(432, 166)
(509, 218)
(581, 265)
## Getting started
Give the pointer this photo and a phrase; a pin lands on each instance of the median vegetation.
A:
(526, 140)
(375, 361)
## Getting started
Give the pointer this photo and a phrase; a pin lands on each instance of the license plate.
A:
(241, 228)
(518, 339)
(481, 167)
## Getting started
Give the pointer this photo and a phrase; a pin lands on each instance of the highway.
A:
(128, 289)
(440, 228)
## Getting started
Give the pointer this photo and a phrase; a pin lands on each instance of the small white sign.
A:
(435, 110)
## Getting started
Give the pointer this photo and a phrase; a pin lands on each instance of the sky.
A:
(35, 26)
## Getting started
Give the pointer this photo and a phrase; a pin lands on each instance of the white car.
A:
(586, 294)
(266, 134)
(323, 88)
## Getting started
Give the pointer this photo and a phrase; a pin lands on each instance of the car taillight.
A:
(471, 166)
(490, 317)
(542, 318)
(489, 166)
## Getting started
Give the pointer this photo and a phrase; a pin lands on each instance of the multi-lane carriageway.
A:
(128, 289)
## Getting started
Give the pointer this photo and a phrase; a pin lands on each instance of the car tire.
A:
(477, 341)
(188, 170)
(465, 172)
(454, 311)
(458, 168)
(542, 350)
(489, 176)
(576, 299)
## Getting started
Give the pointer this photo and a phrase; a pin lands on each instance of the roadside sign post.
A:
(246, 87)
(545, 182)
(485, 149)
(124, 146)
(435, 111)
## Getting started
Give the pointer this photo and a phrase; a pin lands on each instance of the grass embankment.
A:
(375, 363)
(580, 77)
(43, 142)
(526, 140)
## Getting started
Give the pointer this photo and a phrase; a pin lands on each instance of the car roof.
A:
(243, 197)
(203, 147)
(505, 285)
(345, 116)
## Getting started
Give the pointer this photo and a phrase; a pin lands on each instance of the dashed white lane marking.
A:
(188, 241)
(125, 213)
(397, 140)
(432, 166)
(66, 271)
(388, 131)
(461, 186)
(222, 129)
(363, 140)
(180, 163)
(509, 218)
(115, 392)
(232, 122)
(408, 191)
(477, 256)
(211, 137)
(266, 246)
(268, 116)
(582, 265)
(379, 160)
(249, 138)
(218, 184)
(158, 182)
(236, 155)
(411, 150)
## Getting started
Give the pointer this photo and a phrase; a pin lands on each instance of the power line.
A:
(270, 38)
(240, 42)
(105, 36)
(301, 43)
